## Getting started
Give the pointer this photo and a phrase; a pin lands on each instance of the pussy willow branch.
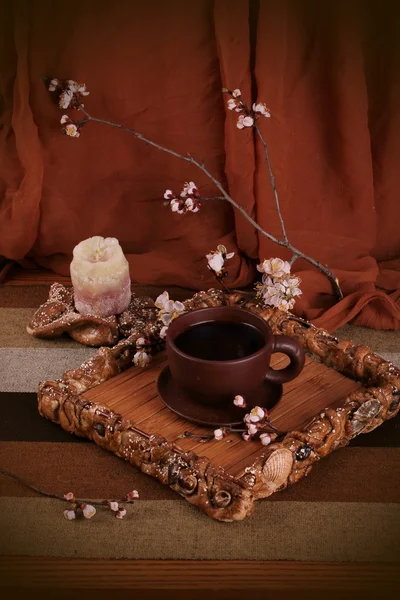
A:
(200, 165)
(56, 496)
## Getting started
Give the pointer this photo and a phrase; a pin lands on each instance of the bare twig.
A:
(272, 180)
(224, 195)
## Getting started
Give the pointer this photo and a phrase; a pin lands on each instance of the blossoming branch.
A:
(79, 506)
(70, 95)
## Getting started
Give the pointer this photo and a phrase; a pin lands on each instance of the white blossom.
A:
(219, 434)
(189, 204)
(77, 88)
(286, 304)
(256, 414)
(239, 401)
(275, 267)
(175, 205)
(278, 289)
(232, 104)
(216, 262)
(273, 295)
(252, 429)
(54, 83)
(163, 331)
(72, 130)
(265, 439)
(161, 300)
(217, 258)
(292, 286)
(133, 495)
(69, 497)
(168, 311)
(244, 122)
(121, 513)
(261, 108)
(69, 514)
(65, 99)
(236, 93)
(113, 506)
(140, 341)
(141, 358)
(168, 194)
(88, 511)
(189, 189)
(246, 437)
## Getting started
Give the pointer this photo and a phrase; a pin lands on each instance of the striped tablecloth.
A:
(346, 510)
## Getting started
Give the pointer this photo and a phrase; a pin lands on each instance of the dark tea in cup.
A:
(220, 340)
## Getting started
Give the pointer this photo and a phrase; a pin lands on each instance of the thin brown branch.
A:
(200, 165)
(272, 180)
(57, 496)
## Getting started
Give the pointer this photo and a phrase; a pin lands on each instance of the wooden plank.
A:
(134, 395)
(90, 574)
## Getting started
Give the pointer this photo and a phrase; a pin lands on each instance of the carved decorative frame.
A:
(218, 494)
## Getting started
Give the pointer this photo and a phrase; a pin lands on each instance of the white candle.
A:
(100, 277)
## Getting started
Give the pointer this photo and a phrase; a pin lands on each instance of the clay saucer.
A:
(209, 415)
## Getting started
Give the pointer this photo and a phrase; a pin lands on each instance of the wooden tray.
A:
(133, 394)
(344, 390)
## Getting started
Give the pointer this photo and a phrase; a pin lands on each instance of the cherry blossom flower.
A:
(277, 289)
(140, 342)
(219, 434)
(291, 286)
(54, 84)
(261, 109)
(275, 267)
(70, 93)
(216, 260)
(70, 514)
(141, 358)
(255, 415)
(168, 311)
(65, 99)
(239, 401)
(70, 497)
(187, 201)
(236, 93)
(244, 122)
(113, 506)
(77, 88)
(88, 511)
(177, 206)
(189, 189)
(133, 495)
(163, 331)
(265, 439)
(252, 429)
(191, 205)
(70, 128)
(273, 293)
(246, 437)
(121, 513)
(232, 104)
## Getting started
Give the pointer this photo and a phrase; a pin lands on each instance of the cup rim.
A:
(234, 361)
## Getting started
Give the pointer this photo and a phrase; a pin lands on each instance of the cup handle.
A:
(288, 346)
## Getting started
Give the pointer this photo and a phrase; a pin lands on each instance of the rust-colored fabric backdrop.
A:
(329, 71)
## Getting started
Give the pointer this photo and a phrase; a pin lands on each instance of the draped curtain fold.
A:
(329, 72)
